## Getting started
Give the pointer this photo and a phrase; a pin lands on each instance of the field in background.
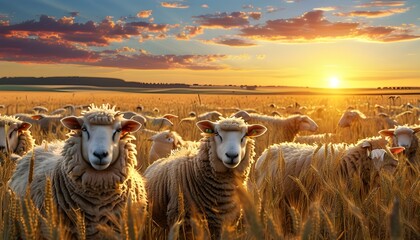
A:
(336, 213)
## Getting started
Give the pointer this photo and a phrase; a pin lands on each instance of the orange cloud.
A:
(313, 26)
(189, 32)
(326, 9)
(372, 14)
(173, 5)
(388, 3)
(144, 14)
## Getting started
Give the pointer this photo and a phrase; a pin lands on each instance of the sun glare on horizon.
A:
(334, 82)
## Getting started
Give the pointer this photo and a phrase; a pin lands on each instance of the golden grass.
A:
(325, 210)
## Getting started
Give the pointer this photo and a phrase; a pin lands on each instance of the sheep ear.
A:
(368, 147)
(130, 126)
(206, 126)
(37, 117)
(72, 122)
(24, 126)
(416, 129)
(243, 114)
(387, 132)
(169, 121)
(169, 116)
(396, 150)
(256, 130)
(139, 119)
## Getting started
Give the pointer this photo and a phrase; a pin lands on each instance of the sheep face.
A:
(385, 160)
(231, 143)
(402, 136)
(166, 137)
(9, 136)
(100, 141)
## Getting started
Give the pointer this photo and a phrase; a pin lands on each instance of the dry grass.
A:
(330, 210)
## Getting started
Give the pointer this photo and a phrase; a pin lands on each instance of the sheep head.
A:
(349, 117)
(382, 158)
(10, 129)
(101, 132)
(402, 136)
(168, 137)
(231, 137)
(305, 123)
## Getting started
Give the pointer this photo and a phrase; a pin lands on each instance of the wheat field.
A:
(391, 210)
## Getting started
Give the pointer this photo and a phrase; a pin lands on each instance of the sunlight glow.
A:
(334, 82)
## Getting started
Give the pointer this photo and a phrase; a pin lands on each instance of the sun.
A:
(334, 82)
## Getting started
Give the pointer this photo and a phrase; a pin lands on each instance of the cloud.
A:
(144, 14)
(189, 32)
(372, 14)
(226, 20)
(326, 9)
(231, 41)
(74, 14)
(248, 6)
(313, 26)
(271, 9)
(173, 5)
(387, 3)
(149, 61)
(41, 51)
(204, 6)
(89, 33)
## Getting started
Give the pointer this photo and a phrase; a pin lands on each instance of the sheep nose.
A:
(101, 155)
(232, 156)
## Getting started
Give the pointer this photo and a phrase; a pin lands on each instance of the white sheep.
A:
(318, 138)
(205, 177)
(212, 116)
(277, 169)
(15, 137)
(95, 172)
(279, 161)
(165, 142)
(405, 136)
(280, 129)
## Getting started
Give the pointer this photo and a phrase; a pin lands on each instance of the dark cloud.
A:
(226, 20)
(40, 51)
(230, 41)
(74, 14)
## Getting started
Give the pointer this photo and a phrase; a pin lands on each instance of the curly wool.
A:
(100, 195)
(25, 140)
(208, 188)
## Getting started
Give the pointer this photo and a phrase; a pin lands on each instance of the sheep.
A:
(405, 136)
(318, 138)
(205, 177)
(281, 129)
(15, 137)
(47, 123)
(277, 169)
(360, 125)
(95, 172)
(166, 141)
(40, 109)
(58, 111)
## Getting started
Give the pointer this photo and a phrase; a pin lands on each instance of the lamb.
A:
(280, 164)
(96, 172)
(405, 136)
(205, 177)
(166, 141)
(15, 137)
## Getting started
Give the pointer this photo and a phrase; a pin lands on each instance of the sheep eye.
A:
(118, 130)
(220, 137)
(84, 129)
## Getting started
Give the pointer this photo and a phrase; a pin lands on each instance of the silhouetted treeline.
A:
(85, 81)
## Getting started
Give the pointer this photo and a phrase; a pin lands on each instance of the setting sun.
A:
(333, 82)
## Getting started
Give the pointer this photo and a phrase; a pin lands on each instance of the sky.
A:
(336, 43)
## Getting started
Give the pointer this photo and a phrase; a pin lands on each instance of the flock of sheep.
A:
(95, 169)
